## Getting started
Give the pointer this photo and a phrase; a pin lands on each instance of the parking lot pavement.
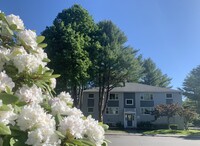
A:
(138, 140)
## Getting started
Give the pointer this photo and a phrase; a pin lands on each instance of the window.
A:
(147, 97)
(169, 101)
(112, 110)
(91, 96)
(113, 97)
(169, 95)
(90, 102)
(146, 110)
(129, 101)
(90, 110)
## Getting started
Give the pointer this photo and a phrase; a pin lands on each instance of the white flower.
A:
(65, 97)
(5, 81)
(94, 131)
(73, 125)
(53, 83)
(43, 137)
(27, 62)
(29, 37)
(34, 116)
(59, 106)
(12, 19)
(18, 51)
(8, 116)
(40, 53)
(30, 94)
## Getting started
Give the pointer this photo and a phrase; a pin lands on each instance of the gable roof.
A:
(136, 87)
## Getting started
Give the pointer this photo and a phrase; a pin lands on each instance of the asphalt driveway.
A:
(139, 140)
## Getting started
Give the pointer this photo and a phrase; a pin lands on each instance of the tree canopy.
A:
(113, 62)
(67, 39)
(191, 87)
(153, 75)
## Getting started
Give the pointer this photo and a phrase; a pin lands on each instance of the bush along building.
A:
(132, 105)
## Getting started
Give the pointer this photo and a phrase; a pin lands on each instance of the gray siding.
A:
(113, 103)
(146, 103)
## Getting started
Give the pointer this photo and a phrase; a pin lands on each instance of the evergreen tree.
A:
(153, 75)
(191, 87)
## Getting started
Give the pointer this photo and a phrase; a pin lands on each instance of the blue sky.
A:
(167, 31)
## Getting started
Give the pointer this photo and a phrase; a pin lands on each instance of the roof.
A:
(136, 87)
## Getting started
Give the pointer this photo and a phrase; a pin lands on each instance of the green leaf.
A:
(2, 17)
(13, 27)
(8, 90)
(40, 69)
(12, 141)
(58, 118)
(87, 142)
(4, 130)
(55, 76)
(8, 98)
(42, 45)
(4, 108)
(46, 60)
(40, 39)
(60, 135)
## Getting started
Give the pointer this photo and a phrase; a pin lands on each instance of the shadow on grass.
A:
(190, 137)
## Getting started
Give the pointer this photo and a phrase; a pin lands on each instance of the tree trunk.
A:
(100, 104)
(168, 122)
(74, 95)
(80, 96)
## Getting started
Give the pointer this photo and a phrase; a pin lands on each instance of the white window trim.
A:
(115, 97)
(143, 94)
(127, 100)
(112, 114)
(152, 108)
(91, 108)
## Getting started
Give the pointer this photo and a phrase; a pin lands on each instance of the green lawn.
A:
(176, 132)
(154, 132)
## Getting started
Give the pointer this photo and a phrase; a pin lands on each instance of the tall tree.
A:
(67, 41)
(153, 75)
(191, 87)
(113, 63)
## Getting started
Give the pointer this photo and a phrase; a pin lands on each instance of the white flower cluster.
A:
(41, 125)
(5, 81)
(7, 116)
(31, 95)
(12, 19)
(25, 61)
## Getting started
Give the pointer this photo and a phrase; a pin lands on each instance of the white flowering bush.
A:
(29, 113)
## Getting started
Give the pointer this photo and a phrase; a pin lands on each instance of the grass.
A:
(154, 132)
(174, 132)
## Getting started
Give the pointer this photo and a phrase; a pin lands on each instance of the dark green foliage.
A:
(113, 63)
(191, 87)
(152, 75)
(145, 125)
(68, 39)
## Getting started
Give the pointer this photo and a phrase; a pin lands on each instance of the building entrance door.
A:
(129, 120)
